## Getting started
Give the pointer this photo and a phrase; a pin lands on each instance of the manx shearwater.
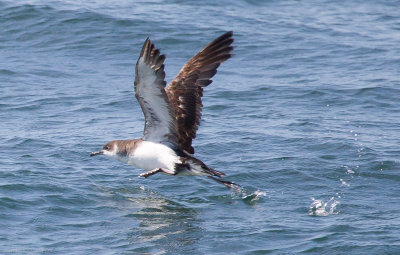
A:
(172, 114)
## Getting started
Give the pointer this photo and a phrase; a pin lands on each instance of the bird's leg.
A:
(150, 173)
(154, 171)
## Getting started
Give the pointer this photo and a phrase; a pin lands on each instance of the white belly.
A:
(149, 156)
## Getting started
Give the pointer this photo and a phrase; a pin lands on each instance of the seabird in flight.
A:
(172, 114)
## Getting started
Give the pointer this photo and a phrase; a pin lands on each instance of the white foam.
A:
(321, 208)
(248, 196)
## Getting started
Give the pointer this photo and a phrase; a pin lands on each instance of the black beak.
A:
(96, 153)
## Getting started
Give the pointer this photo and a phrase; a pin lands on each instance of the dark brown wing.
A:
(160, 123)
(185, 91)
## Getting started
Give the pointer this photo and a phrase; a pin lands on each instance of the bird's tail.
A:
(213, 172)
(228, 184)
(197, 167)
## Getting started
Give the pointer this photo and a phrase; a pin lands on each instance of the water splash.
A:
(321, 208)
(247, 196)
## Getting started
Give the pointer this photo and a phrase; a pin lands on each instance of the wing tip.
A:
(151, 55)
(145, 46)
(230, 33)
(227, 38)
(226, 34)
(222, 45)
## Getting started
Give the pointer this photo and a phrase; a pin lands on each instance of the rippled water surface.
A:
(305, 116)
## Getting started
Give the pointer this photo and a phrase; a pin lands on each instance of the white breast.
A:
(150, 155)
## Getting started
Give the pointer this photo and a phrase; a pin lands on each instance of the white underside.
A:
(150, 155)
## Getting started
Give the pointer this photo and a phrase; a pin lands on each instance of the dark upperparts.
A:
(185, 91)
(126, 147)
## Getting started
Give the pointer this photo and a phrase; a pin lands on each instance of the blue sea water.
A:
(305, 116)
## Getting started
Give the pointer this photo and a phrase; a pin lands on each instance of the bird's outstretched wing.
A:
(186, 89)
(160, 123)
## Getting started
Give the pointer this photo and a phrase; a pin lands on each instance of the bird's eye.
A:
(106, 147)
